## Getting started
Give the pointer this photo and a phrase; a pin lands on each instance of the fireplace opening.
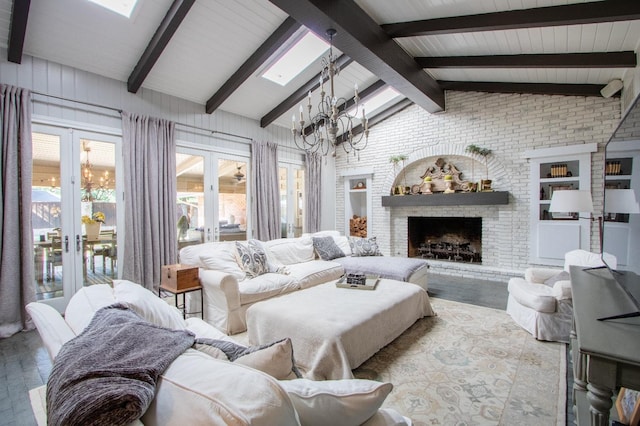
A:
(456, 239)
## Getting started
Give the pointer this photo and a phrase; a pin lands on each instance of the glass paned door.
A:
(191, 208)
(46, 216)
(283, 174)
(212, 197)
(74, 214)
(292, 200)
(98, 213)
(232, 199)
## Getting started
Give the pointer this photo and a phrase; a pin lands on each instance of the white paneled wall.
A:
(57, 80)
(506, 123)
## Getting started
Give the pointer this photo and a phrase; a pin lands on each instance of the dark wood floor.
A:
(25, 364)
(490, 294)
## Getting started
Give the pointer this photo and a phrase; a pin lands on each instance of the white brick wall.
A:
(506, 123)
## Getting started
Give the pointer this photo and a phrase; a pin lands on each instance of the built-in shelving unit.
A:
(552, 234)
(357, 206)
(618, 173)
(557, 176)
(622, 171)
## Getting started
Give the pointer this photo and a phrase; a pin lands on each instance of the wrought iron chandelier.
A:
(332, 125)
(87, 176)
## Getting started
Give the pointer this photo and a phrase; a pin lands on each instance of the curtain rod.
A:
(119, 111)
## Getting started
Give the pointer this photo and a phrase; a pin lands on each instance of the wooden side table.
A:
(182, 279)
(183, 292)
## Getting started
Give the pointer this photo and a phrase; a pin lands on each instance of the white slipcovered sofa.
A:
(227, 289)
(292, 264)
(541, 302)
(197, 388)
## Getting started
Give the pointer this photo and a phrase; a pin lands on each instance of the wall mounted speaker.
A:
(612, 88)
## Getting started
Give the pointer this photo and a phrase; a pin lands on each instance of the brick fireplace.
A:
(455, 239)
(495, 247)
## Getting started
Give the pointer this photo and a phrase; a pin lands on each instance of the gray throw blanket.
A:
(107, 374)
(394, 268)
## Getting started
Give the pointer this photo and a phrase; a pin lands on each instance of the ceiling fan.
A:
(238, 175)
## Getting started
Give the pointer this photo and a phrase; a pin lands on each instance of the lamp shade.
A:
(571, 201)
(620, 201)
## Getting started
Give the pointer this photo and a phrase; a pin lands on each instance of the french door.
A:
(292, 199)
(213, 196)
(76, 208)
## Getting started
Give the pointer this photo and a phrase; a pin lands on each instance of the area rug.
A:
(471, 365)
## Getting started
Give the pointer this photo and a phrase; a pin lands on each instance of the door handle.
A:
(208, 234)
(78, 243)
(66, 244)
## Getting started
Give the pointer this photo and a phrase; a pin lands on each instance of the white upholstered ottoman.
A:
(334, 330)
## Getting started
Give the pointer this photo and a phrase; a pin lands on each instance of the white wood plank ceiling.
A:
(216, 37)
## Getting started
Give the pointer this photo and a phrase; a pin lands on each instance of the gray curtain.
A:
(149, 150)
(313, 191)
(265, 209)
(17, 287)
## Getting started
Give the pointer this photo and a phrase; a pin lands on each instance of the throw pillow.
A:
(333, 402)
(260, 263)
(244, 259)
(221, 257)
(148, 305)
(343, 244)
(364, 246)
(327, 248)
(212, 351)
(252, 258)
(562, 276)
(275, 359)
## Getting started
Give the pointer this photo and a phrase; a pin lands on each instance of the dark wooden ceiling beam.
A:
(158, 43)
(553, 60)
(18, 30)
(571, 14)
(255, 61)
(343, 61)
(384, 114)
(361, 38)
(531, 88)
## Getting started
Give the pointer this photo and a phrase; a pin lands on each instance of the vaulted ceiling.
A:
(213, 52)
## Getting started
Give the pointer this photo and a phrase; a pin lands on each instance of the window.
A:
(302, 54)
(121, 7)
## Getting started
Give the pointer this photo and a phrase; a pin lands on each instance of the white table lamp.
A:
(570, 201)
(620, 201)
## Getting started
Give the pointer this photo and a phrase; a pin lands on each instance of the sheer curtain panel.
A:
(149, 151)
(265, 188)
(313, 191)
(16, 242)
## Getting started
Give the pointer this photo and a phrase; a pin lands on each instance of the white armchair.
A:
(541, 302)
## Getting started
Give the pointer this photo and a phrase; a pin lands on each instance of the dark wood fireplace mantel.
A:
(457, 199)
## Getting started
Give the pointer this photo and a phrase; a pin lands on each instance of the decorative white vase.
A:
(92, 230)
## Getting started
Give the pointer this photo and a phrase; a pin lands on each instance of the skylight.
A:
(376, 102)
(122, 7)
(302, 54)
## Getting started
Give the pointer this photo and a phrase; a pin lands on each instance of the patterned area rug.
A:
(471, 366)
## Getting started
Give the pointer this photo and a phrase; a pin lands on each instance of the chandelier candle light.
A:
(331, 125)
(87, 176)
